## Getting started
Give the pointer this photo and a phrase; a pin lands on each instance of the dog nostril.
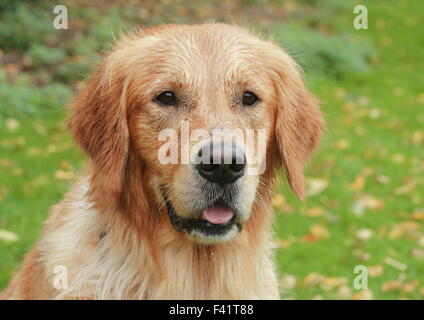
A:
(216, 167)
(236, 167)
(209, 167)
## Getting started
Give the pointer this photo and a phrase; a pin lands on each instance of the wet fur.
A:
(111, 230)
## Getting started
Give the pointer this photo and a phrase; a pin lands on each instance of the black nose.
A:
(221, 162)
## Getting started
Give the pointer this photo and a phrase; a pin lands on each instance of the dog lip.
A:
(186, 224)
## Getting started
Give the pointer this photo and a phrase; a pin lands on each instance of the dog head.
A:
(194, 121)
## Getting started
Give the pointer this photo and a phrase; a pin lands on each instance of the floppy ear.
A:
(98, 122)
(298, 122)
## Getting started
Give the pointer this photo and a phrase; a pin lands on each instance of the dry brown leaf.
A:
(17, 172)
(363, 295)
(410, 286)
(418, 137)
(282, 244)
(33, 151)
(64, 175)
(391, 285)
(398, 158)
(367, 202)
(358, 184)
(342, 144)
(418, 215)
(418, 254)
(315, 212)
(65, 165)
(5, 163)
(330, 283)
(375, 271)
(313, 279)
(319, 231)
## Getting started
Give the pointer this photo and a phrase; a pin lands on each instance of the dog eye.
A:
(166, 98)
(249, 99)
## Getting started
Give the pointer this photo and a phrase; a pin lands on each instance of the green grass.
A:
(373, 100)
(392, 87)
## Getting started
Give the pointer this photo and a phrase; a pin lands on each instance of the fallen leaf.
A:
(278, 201)
(417, 137)
(420, 98)
(367, 202)
(319, 231)
(33, 151)
(358, 184)
(315, 212)
(363, 101)
(12, 124)
(313, 278)
(418, 254)
(382, 179)
(330, 283)
(8, 236)
(364, 234)
(404, 189)
(395, 264)
(344, 292)
(282, 244)
(315, 186)
(418, 215)
(17, 172)
(363, 295)
(41, 130)
(288, 281)
(398, 158)
(375, 271)
(375, 113)
(64, 175)
(310, 238)
(391, 286)
(65, 165)
(342, 144)
(5, 163)
(410, 286)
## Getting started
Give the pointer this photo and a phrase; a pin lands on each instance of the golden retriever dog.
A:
(134, 226)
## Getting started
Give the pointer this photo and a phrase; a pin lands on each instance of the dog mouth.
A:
(216, 220)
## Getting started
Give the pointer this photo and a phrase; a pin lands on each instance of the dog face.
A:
(201, 116)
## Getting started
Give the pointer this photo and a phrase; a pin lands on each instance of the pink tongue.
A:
(217, 215)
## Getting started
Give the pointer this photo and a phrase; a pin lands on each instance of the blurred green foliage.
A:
(332, 56)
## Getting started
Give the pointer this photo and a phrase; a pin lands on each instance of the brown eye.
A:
(166, 98)
(249, 99)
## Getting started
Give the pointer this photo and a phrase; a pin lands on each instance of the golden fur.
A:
(111, 230)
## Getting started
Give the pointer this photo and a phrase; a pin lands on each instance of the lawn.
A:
(365, 185)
